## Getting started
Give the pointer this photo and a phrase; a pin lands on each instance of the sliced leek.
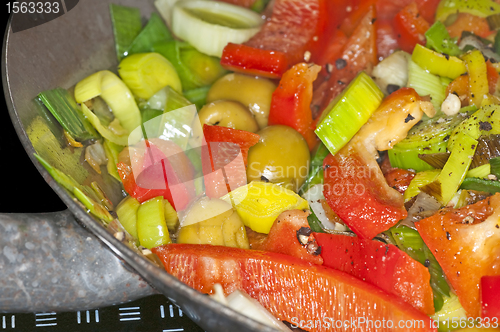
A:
(64, 109)
(495, 166)
(126, 26)
(151, 226)
(147, 73)
(428, 137)
(112, 150)
(481, 8)
(479, 172)
(195, 69)
(104, 131)
(420, 180)
(127, 214)
(453, 173)
(115, 93)
(210, 25)
(478, 78)
(485, 121)
(155, 31)
(425, 84)
(437, 63)
(438, 39)
(489, 186)
(354, 106)
(92, 206)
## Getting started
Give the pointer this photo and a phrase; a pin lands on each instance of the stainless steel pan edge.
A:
(200, 308)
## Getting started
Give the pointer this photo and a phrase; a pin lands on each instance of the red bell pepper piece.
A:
(410, 27)
(357, 192)
(156, 176)
(295, 28)
(490, 297)
(222, 168)
(285, 237)
(291, 101)
(254, 61)
(359, 53)
(466, 244)
(399, 179)
(387, 41)
(468, 22)
(290, 288)
(382, 265)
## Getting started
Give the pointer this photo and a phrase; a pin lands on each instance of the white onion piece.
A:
(241, 302)
(424, 206)
(95, 156)
(211, 38)
(392, 70)
(165, 9)
(313, 197)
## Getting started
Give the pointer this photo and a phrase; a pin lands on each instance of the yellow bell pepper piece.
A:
(260, 203)
(437, 63)
(478, 78)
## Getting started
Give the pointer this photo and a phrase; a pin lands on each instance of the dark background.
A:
(22, 187)
(24, 190)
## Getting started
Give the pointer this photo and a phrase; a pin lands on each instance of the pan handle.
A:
(50, 263)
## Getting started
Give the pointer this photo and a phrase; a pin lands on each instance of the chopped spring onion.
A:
(481, 8)
(437, 63)
(126, 26)
(151, 226)
(63, 107)
(195, 69)
(454, 171)
(104, 131)
(409, 241)
(478, 78)
(147, 73)
(479, 172)
(155, 31)
(354, 106)
(420, 180)
(127, 214)
(210, 25)
(489, 186)
(439, 40)
(60, 177)
(115, 93)
(425, 84)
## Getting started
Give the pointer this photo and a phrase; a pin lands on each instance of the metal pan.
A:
(59, 53)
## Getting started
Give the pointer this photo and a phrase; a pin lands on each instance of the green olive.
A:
(281, 156)
(226, 113)
(253, 92)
